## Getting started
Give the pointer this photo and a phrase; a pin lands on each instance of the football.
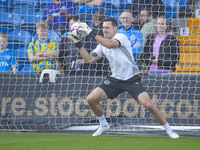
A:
(75, 31)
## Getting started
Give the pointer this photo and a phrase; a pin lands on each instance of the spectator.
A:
(42, 52)
(98, 18)
(101, 66)
(7, 58)
(69, 62)
(148, 24)
(156, 8)
(67, 51)
(134, 36)
(91, 3)
(161, 51)
(57, 14)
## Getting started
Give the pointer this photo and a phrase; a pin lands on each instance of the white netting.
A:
(27, 104)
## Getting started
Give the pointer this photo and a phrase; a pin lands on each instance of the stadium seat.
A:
(53, 35)
(194, 22)
(29, 22)
(23, 11)
(21, 53)
(43, 3)
(126, 4)
(3, 10)
(189, 49)
(193, 39)
(171, 7)
(25, 3)
(10, 20)
(18, 39)
(25, 68)
(114, 4)
(5, 4)
(5, 29)
(189, 58)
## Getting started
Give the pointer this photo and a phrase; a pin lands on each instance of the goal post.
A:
(28, 104)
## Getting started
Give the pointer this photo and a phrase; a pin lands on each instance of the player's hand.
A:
(49, 18)
(155, 61)
(85, 28)
(69, 36)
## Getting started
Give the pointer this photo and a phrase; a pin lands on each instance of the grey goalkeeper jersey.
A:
(121, 60)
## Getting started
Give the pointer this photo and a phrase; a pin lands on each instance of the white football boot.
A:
(173, 135)
(101, 130)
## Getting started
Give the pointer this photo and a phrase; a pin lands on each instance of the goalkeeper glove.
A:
(78, 43)
(85, 28)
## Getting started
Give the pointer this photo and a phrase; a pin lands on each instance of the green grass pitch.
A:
(55, 141)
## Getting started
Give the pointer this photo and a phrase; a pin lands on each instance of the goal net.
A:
(38, 102)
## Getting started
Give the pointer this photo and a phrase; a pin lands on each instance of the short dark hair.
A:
(149, 12)
(114, 22)
(75, 18)
(99, 15)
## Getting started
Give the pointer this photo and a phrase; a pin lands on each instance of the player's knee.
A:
(89, 100)
(149, 106)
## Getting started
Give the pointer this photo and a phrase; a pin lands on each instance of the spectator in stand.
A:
(161, 51)
(68, 52)
(57, 14)
(42, 52)
(91, 3)
(148, 24)
(98, 18)
(134, 36)
(8, 61)
(156, 7)
(101, 66)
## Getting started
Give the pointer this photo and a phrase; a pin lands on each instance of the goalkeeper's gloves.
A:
(85, 28)
(78, 42)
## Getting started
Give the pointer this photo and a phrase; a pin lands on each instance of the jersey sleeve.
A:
(121, 38)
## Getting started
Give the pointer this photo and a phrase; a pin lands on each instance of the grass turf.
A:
(50, 141)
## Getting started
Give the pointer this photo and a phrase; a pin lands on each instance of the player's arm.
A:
(88, 57)
(108, 43)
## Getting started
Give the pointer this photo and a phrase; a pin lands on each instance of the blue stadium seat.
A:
(171, 7)
(53, 35)
(3, 10)
(5, 29)
(25, 68)
(126, 4)
(21, 53)
(25, 3)
(114, 4)
(18, 39)
(23, 11)
(22, 59)
(10, 20)
(29, 22)
(43, 3)
(27, 15)
(5, 4)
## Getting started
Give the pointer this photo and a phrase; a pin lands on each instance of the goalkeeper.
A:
(125, 73)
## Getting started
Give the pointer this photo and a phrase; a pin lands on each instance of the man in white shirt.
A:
(125, 74)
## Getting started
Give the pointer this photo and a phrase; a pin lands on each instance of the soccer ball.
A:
(74, 30)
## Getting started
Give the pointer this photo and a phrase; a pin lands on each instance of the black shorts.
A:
(113, 87)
